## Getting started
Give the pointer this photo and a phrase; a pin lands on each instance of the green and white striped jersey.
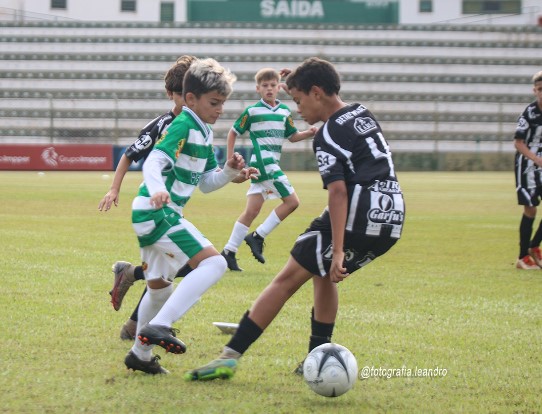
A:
(187, 146)
(268, 127)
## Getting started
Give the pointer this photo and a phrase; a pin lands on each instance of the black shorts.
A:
(529, 196)
(313, 249)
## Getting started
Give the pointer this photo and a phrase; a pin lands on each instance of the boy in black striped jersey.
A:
(528, 161)
(363, 219)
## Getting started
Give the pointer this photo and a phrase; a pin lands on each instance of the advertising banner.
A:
(56, 157)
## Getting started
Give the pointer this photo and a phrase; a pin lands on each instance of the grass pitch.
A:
(446, 303)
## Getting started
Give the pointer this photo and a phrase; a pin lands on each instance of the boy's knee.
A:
(160, 283)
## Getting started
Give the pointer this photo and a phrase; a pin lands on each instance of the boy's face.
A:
(307, 105)
(538, 92)
(268, 90)
(208, 106)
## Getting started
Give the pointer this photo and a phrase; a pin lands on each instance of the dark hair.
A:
(175, 75)
(315, 72)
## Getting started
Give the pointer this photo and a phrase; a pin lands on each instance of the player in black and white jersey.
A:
(528, 143)
(126, 273)
(362, 221)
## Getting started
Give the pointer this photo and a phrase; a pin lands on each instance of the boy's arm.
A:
(152, 176)
(524, 150)
(300, 136)
(337, 204)
(218, 178)
(112, 195)
(232, 136)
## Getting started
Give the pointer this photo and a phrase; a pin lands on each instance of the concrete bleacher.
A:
(101, 82)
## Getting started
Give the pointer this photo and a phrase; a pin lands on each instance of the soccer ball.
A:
(330, 370)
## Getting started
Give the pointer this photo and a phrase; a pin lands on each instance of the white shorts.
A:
(172, 251)
(270, 189)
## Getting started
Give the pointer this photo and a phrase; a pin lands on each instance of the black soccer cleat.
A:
(150, 367)
(256, 243)
(162, 336)
(231, 260)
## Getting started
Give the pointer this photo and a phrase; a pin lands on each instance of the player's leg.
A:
(534, 245)
(128, 330)
(529, 199)
(209, 266)
(254, 322)
(282, 189)
(241, 227)
(140, 357)
(525, 260)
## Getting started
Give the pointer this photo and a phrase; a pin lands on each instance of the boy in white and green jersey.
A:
(181, 160)
(269, 123)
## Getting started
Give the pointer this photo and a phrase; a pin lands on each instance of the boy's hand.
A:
(337, 272)
(159, 199)
(246, 174)
(237, 162)
(112, 197)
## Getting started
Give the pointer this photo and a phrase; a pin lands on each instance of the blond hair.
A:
(266, 74)
(537, 77)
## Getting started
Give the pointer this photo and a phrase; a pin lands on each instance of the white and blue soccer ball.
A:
(330, 370)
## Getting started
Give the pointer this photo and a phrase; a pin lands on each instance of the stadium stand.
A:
(101, 82)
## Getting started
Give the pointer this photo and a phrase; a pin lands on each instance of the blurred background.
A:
(447, 79)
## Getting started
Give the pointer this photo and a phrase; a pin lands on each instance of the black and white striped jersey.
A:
(143, 145)
(351, 147)
(529, 129)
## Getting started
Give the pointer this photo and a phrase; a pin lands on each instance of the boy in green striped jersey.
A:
(269, 122)
(182, 159)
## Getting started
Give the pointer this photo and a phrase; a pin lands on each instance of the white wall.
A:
(444, 11)
(90, 10)
(449, 11)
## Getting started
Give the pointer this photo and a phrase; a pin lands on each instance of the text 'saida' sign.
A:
(296, 11)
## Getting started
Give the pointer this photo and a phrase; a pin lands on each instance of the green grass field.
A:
(446, 296)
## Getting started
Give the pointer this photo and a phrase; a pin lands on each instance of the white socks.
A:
(268, 225)
(189, 290)
(240, 231)
(237, 236)
(148, 308)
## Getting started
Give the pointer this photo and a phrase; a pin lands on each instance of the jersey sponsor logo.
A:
(531, 113)
(162, 137)
(143, 142)
(387, 186)
(180, 146)
(243, 121)
(523, 125)
(384, 213)
(364, 125)
(350, 115)
(325, 160)
(291, 121)
(194, 178)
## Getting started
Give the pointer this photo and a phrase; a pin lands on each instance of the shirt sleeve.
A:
(243, 123)
(156, 162)
(522, 127)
